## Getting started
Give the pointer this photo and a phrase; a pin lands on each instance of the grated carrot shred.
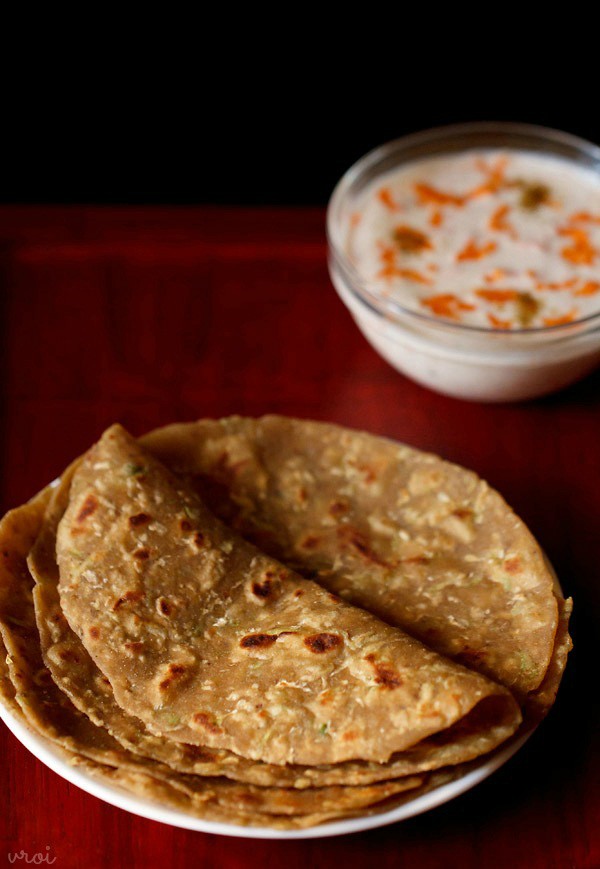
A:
(497, 323)
(446, 305)
(495, 179)
(498, 297)
(563, 319)
(581, 251)
(499, 223)
(584, 217)
(471, 251)
(385, 197)
(391, 271)
(495, 275)
(559, 285)
(387, 254)
(428, 195)
(578, 249)
(590, 288)
(413, 275)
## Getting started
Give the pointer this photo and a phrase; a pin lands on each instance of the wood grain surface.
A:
(148, 316)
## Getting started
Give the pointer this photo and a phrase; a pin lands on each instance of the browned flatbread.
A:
(540, 700)
(76, 674)
(423, 544)
(31, 695)
(144, 785)
(208, 641)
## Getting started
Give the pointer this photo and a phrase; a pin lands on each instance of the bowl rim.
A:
(391, 309)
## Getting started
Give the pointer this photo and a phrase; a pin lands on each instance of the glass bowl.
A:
(465, 361)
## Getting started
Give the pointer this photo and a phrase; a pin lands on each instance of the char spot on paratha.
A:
(139, 519)
(207, 721)
(471, 657)
(68, 655)
(258, 641)
(262, 589)
(463, 513)
(385, 675)
(267, 587)
(128, 597)
(134, 647)
(164, 607)
(88, 507)
(338, 508)
(174, 673)
(320, 643)
(142, 554)
(360, 544)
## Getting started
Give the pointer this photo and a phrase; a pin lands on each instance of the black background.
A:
(159, 134)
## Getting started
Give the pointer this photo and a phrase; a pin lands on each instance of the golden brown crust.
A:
(423, 544)
(260, 670)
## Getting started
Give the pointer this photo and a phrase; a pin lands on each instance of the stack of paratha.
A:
(274, 622)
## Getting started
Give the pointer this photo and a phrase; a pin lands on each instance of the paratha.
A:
(211, 642)
(76, 674)
(424, 544)
(31, 695)
(423, 547)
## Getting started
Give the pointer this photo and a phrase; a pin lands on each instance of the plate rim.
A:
(53, 758)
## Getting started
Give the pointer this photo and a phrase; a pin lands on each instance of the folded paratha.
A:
(77, 675)
(209, 641)
(422, 543)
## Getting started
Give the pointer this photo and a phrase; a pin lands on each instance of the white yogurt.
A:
(490, 238)
(475, 272)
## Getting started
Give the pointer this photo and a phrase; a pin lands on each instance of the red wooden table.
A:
(152, 315)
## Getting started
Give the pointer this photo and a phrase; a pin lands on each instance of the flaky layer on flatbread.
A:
(210, 642)
(422, 543)
(146, 786)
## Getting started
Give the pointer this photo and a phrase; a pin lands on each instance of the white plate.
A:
(116, 796)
